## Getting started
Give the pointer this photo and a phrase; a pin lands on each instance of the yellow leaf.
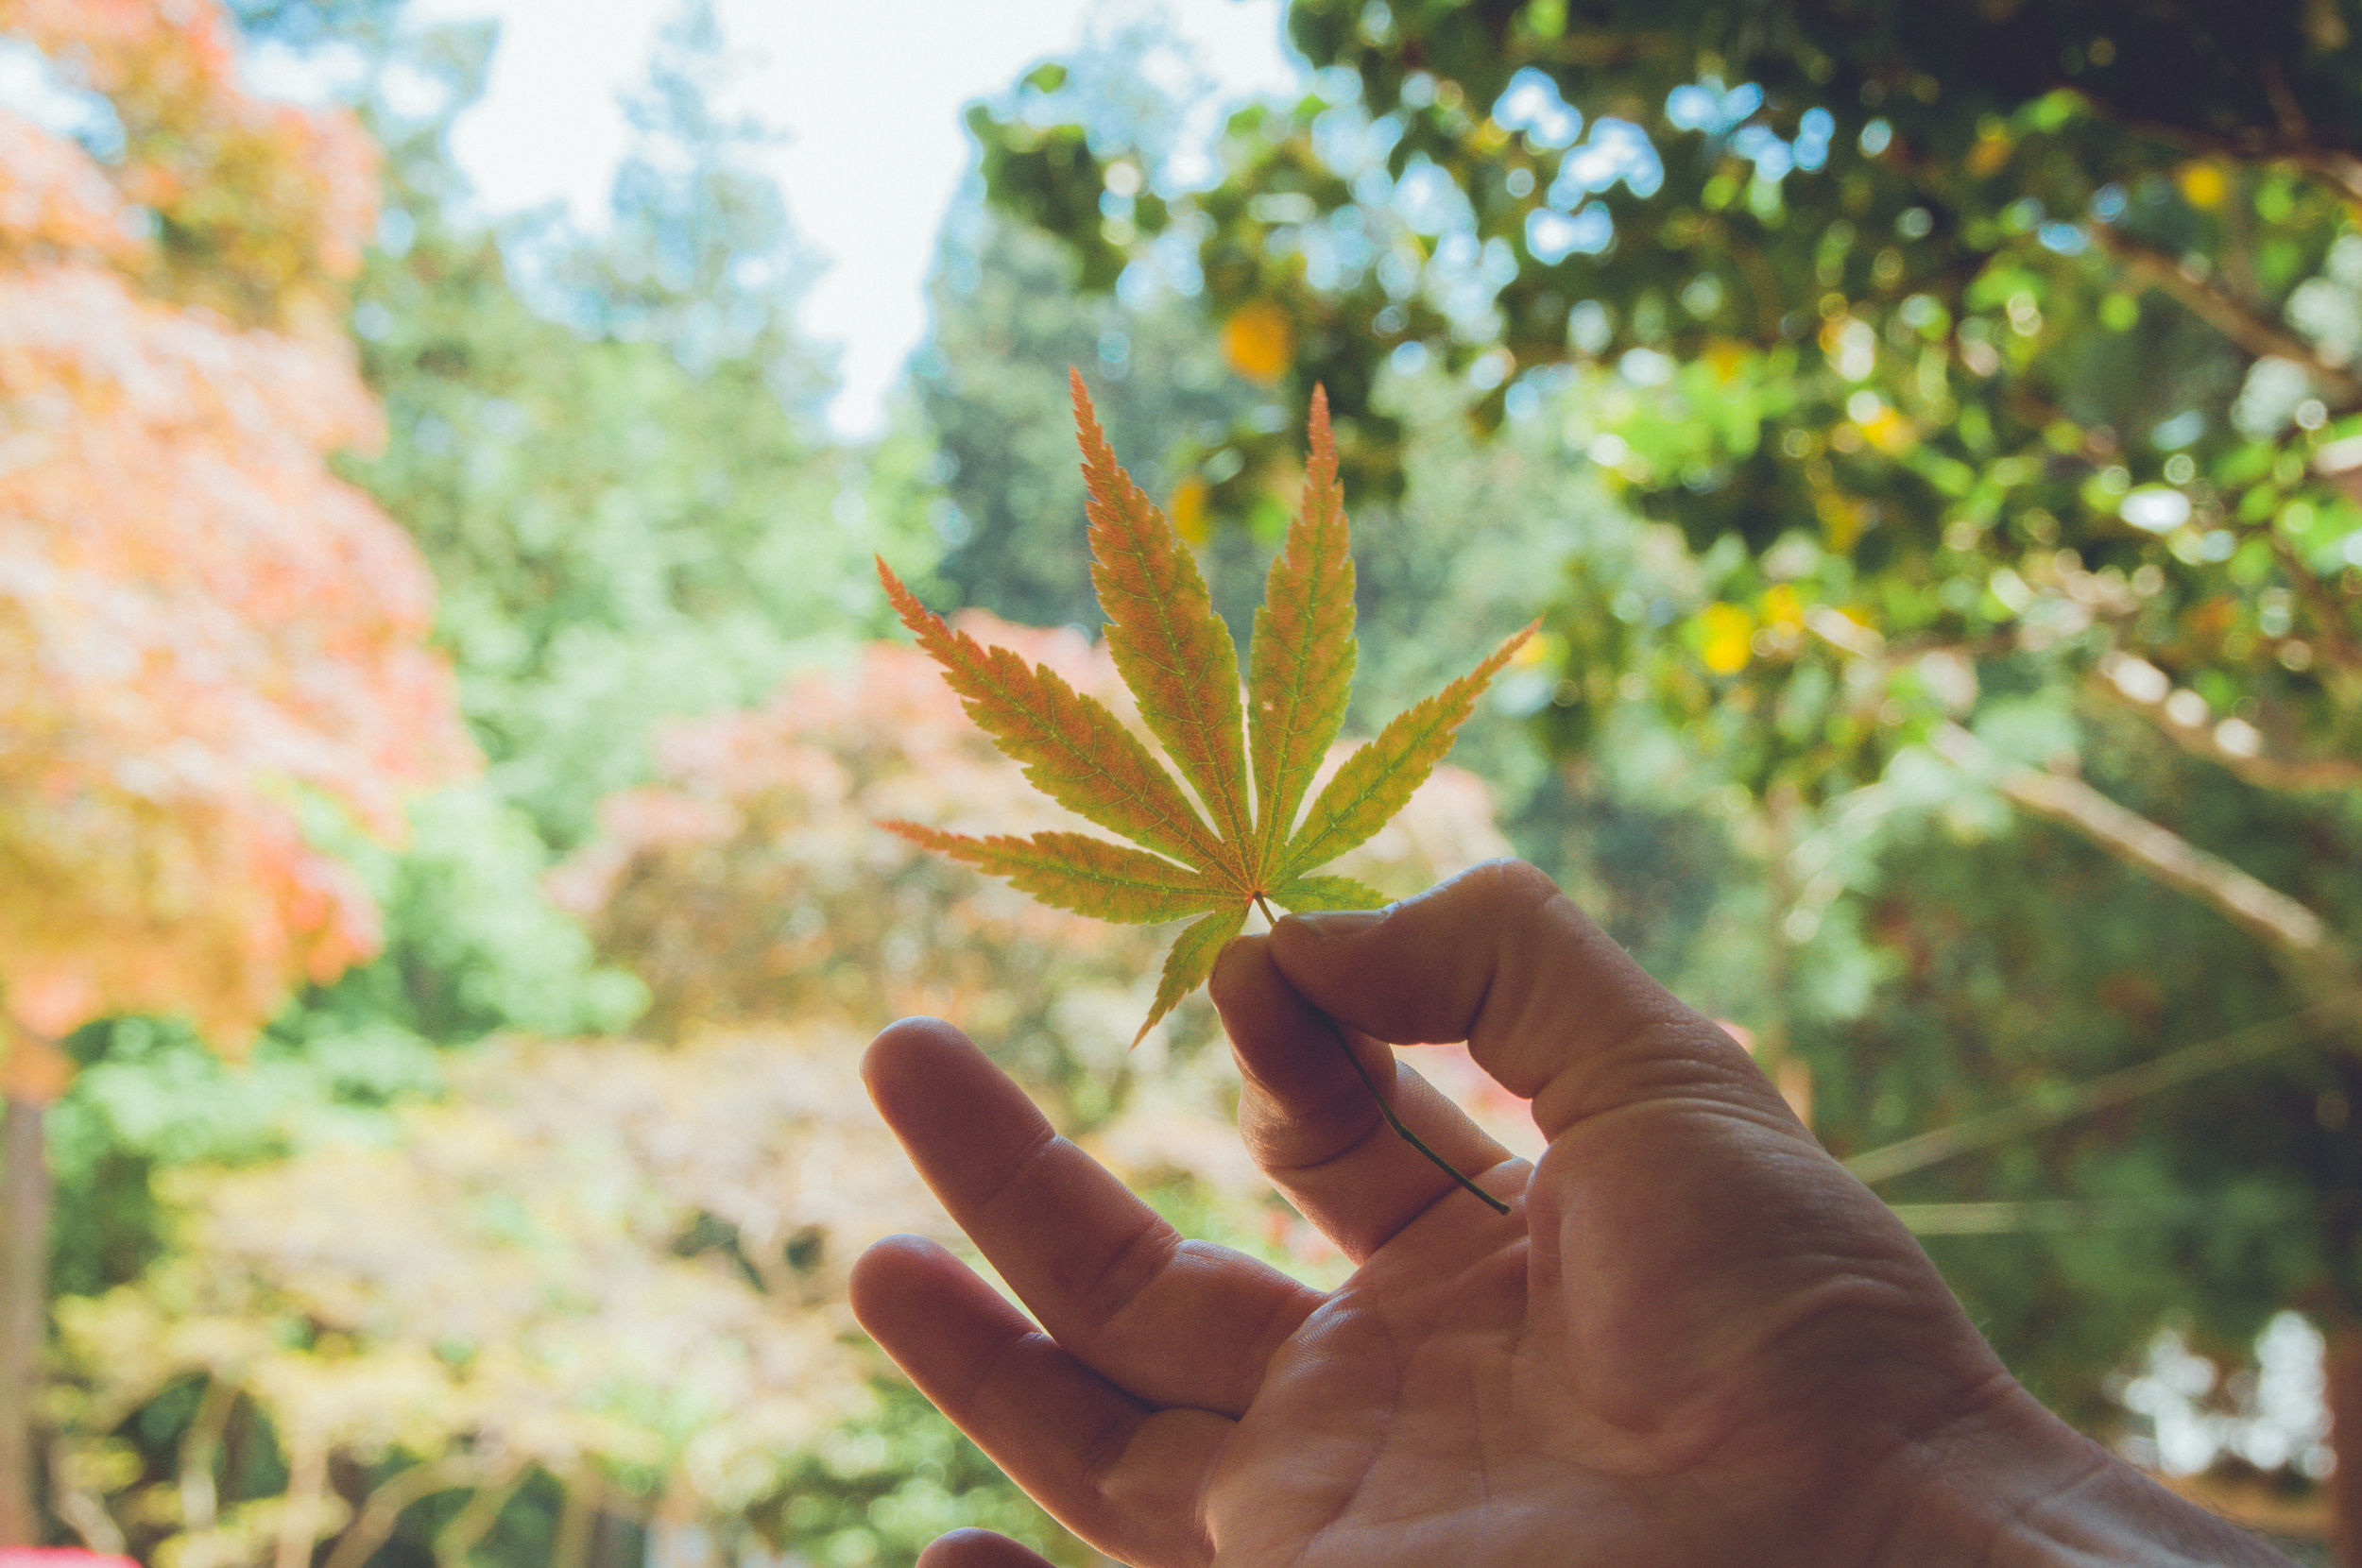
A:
(1376, 781)
(1840, 519)
(1189, 510)
(1259, 342)
(1301, 665)
(1191, 960)
(1172, 650)
(1074, 871)
(1890, 431)
(1727, 643)
(1074, 750)
(1327, 892)
(2201, 185)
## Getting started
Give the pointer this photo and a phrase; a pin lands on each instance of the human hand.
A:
(1694, 1340)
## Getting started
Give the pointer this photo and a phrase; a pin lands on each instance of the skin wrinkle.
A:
(1154, 1245)
(1348, 1138)
(1485, 1463)
(1351, 1104)
(1042, 1145)
(1336, 1107)
(1278, 1324)
(1040, 1137)
(1112, 1441)
(1369, 1464)
(1270, 1337)
(2021, 1518)
(1262, 1145)
(1153, 1468)
(1632, 1075)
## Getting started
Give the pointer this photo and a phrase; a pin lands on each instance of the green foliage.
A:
(620, 537)
(150, 1097)
(877, 1490)
(632, 514)
(535, 1275)
(2030, 963)
(472, 944)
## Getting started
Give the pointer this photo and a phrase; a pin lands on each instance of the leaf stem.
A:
(1385, 1109)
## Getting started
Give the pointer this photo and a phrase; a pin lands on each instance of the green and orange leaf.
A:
(1300, 670)
(1376, 781)
(1170, 647)
(1251, 761)
(1074, 871)
(1191, 960)
(1304, 893)
(1073, 748)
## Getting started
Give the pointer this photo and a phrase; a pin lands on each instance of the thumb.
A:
(1547, 1001)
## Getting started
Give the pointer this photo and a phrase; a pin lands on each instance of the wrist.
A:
(2015, 1487)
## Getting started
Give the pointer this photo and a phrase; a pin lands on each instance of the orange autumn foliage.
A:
(265, 207)
(199, 623)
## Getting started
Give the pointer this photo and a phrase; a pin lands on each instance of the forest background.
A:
(1933, 439)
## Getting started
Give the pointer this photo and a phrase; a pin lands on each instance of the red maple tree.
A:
(203, 631)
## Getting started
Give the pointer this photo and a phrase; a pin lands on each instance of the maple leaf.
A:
(1232, 832)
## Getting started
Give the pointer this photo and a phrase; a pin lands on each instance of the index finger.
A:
(1173, 1323)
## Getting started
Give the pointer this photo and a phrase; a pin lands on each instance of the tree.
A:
(1994, 366)
(535, 1283)
(607, 445)
(210, 634)
(621, 530)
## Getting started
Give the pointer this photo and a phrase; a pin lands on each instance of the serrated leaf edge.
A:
(1191, 960)
(1300, 666)
(1170, 646)
(1055, 866)
(1381, 775)
(1144, 803)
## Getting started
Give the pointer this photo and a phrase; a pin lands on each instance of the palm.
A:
(1387, 1425)
(1429, 1412)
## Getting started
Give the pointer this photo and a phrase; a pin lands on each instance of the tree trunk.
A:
(2345, 1442)
(24, 1310)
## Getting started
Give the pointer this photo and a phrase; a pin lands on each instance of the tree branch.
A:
(2135, 683)
(2331, 635)
(25, 1210)
(2027, 1216)
(73, 1500)
(386, 1505)
(2252, 905)
(458, 1538)
(2050, 1109)
(2234, 317)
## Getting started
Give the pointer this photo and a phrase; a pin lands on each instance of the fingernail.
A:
(1329, 924)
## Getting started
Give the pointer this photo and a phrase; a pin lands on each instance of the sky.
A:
(870, 94)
